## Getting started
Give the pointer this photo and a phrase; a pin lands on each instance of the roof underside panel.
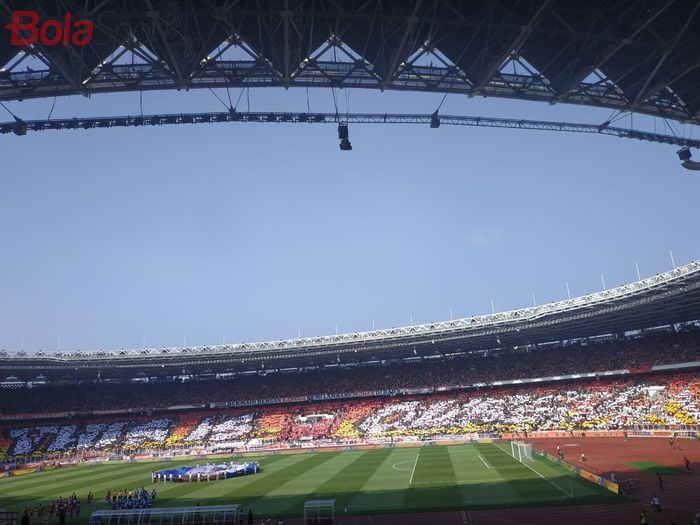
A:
(386, 33)
(482, 40)
(660, 40)
(569, 44)
(180, 38)
(689, 91)
(649, 49)
(284, 37)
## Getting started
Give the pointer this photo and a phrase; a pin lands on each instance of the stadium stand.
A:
(595, 383)
(389, 378)
(665, 400)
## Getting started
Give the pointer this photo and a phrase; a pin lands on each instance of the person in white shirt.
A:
(656, 503)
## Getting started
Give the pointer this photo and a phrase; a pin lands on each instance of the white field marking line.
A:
(414, 467)
(484, 462)
(395, 466)
(540, 475)
(469, 481)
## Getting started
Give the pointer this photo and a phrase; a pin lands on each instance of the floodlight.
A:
(684, 154)
(344, 136)
(20, 128)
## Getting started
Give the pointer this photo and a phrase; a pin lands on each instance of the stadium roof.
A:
(624, 55)
(667, 298)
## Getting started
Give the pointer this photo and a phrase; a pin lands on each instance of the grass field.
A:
(650, 467)
(363, 482)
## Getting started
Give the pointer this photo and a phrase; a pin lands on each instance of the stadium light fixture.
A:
(684, 155)
(344, 136)
(20, 128)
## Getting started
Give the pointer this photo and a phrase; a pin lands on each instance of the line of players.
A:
(131, 499)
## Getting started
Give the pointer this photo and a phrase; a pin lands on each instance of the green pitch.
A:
(374, 481)
(650, 467)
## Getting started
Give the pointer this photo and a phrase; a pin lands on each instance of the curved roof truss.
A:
(680, 287)
(627, 55)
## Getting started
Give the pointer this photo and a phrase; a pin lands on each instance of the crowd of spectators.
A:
(603, 406)
(667, 400)
(655, 349)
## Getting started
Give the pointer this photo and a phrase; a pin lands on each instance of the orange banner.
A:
(590, 476)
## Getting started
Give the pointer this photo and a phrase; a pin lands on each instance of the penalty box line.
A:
(484, 462)
(540, 475)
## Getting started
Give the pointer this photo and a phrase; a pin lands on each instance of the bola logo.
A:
(26, 29)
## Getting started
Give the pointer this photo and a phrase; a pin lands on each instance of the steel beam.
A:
(353, 118)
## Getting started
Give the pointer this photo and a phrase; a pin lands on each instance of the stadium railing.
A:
(9, 518)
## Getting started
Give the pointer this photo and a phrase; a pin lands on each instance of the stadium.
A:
(576, 410)
(446, 415)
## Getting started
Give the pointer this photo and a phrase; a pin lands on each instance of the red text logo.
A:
(26, 30)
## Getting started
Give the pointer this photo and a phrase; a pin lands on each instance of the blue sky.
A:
(206, 233)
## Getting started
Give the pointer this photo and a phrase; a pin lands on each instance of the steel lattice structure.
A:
(21, 127)
(628, 55)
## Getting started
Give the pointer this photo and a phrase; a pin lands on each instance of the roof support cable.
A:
(240, 95)
(20, 126)
(228, 107)
(52, 106)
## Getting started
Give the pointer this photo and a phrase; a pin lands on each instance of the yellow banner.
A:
(20, 472)
(612, 487)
